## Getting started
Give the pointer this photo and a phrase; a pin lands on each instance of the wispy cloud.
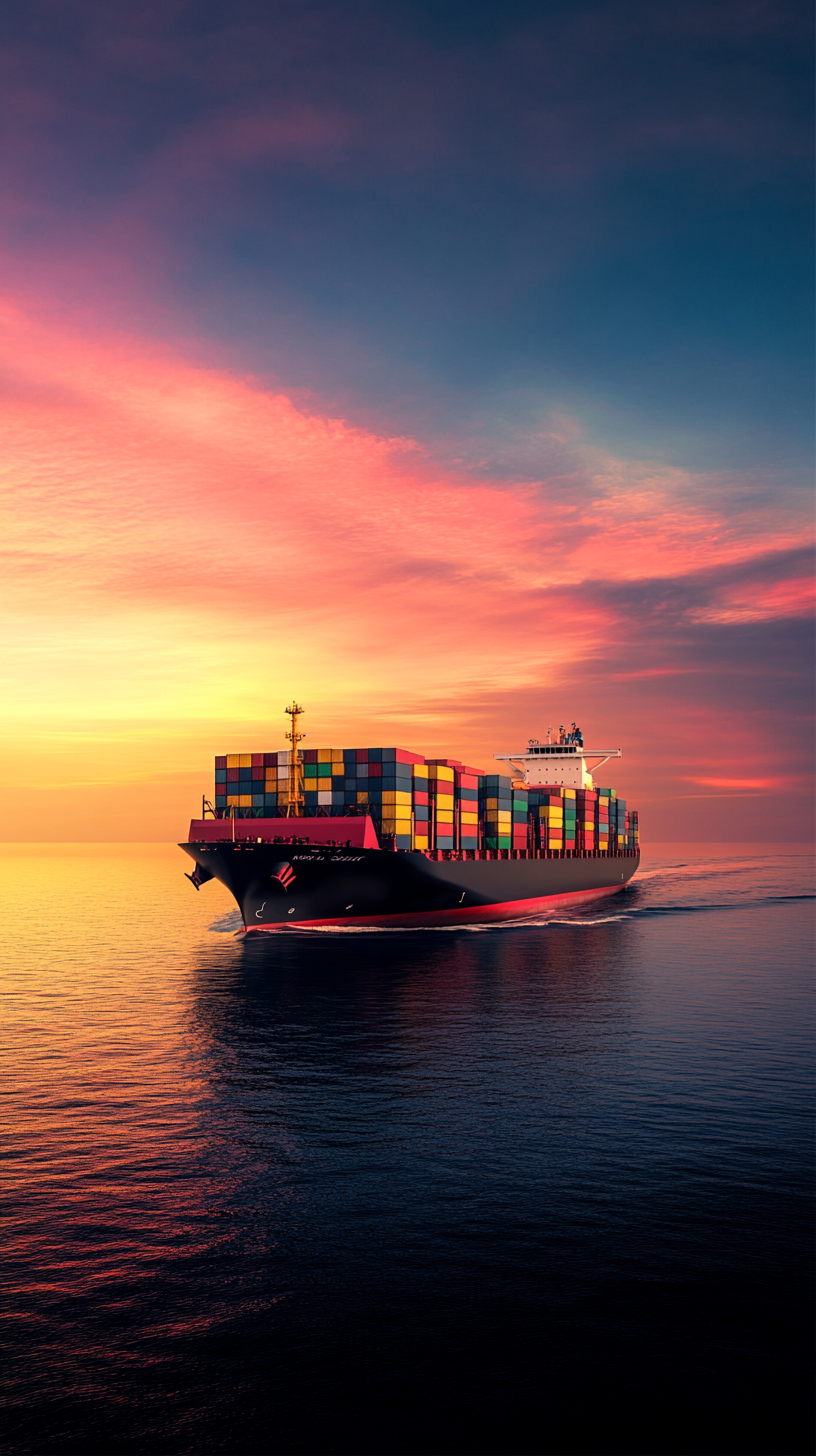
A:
(181, 542)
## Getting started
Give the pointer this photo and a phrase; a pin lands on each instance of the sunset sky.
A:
(445, 365)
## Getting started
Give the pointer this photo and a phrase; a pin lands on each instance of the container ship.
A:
(384, 838)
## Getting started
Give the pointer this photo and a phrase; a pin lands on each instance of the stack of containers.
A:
(551, 819)
(521, 811)
(247, 783)
(586, 800)
(535, 799)
(620, 824)
(257, 769)
(409, 799)
(466, 788)
(323, 778)
(602, 819)
(239, 780)
(552, 814)
(397, 795)
(441, 803)
(363, 780)
(421, 805)
(570, 819)
(378, 781)
(276, 781)
(497, 811)
(355, 771)
(221, 782)
(466, 798)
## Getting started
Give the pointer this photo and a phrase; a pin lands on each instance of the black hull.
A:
(317, 886)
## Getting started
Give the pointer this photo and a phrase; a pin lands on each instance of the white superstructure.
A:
(561, 763)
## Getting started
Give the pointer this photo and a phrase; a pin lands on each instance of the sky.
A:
(447, 366)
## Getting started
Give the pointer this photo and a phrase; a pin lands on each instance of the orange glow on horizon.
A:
(185, 549)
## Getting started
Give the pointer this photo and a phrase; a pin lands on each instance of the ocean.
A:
(535, 1188)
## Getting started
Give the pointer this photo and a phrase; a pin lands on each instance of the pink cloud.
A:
(183, 545)
(754, 602)
(776, 782)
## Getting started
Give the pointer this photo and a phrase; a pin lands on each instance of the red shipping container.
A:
(374, 770)
(232, 776)
(221, 762)
(362, 755)
(403, 756)
(257, 760)
(420, 797)
(467, 781)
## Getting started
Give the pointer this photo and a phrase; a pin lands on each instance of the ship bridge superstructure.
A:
(561, 761)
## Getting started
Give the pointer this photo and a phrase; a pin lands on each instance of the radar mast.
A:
(294, 806)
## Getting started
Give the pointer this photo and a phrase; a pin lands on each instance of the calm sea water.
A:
(533, 1189)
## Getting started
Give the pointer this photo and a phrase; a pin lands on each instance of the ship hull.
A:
(309, 886)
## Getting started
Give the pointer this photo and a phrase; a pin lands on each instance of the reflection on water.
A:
(528, 1189)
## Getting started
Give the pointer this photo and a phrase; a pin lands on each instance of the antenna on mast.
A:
(294, 807)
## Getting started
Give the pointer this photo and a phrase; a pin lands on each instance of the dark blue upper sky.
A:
(448, 219)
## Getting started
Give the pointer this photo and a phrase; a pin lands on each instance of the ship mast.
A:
(294, 807)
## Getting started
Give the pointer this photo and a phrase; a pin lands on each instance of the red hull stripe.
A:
(475, 915)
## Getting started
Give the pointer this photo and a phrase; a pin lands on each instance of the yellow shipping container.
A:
(444, 818)
(420, 841)
(469, 818)
(245, 801)
(337, 755)
(420, 770)
(439, 771)
(245, 760)
(233, 760)
(324, 755)
(362, 796)
(233, 799)
(396, 796)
